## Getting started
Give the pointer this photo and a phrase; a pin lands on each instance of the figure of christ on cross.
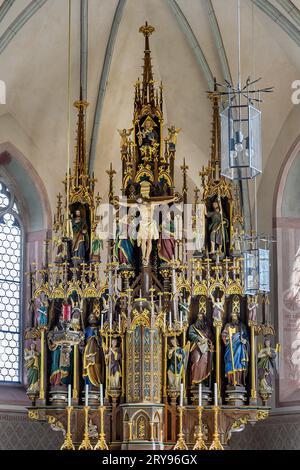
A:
(148, 227)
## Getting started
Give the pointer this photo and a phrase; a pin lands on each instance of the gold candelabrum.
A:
(200, 444)
(101, 444)
(86, 443)
(216, 443)
(68, 443)
(180, 444)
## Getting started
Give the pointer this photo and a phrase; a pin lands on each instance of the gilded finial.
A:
(146, 29)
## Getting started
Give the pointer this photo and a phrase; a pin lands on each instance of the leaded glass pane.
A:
(10, 275)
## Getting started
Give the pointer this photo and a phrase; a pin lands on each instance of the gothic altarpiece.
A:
(135, 331)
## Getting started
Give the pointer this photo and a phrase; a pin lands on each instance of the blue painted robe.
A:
(240, 350)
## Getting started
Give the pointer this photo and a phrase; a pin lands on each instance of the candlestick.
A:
(180, 444)
(86, 395)
(86, 443)
(101, 444)
(200, 444)
(216, 443)
(68, 443)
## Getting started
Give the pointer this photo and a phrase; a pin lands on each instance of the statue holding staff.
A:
(217, 228)
(236, 358)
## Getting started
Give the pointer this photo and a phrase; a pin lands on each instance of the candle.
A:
(200, 395)
(173, 280)
(119, 322)
(69, 394)
(86, 395)
(110, 314)
(180, 318)
(67, 312)
(101, 394)
(181, 395)
(101, 326)
(164, 321)
(216, 394)
(170, 319)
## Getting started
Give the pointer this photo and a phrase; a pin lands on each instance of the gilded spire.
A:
(216, 134)
(148, 96)
(80, 166)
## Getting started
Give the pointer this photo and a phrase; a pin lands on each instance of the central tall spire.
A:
(80, 166)
(148, 83)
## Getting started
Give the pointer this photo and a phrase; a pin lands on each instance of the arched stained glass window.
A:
(10, 286)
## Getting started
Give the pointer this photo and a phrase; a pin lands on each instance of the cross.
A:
(184, 167)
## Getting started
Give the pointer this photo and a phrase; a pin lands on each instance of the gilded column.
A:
(43, 369)
(253, 396)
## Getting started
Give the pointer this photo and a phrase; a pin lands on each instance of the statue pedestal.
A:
(142, 426)
(206, 395)
(58, 396)
(235, 395)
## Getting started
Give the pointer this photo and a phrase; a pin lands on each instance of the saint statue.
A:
(93, 367)
(236, 243)
(218, 308)
(236, 358)
(183, 307)
(252, 303)
(217, 229)
(147, 136)
(266, 369)
(172, 137)
(113, 360)
(76, 315)
(176, 364)
(80, 236)
(125, 134)
(201, 351)
(42, 311)
(166, 244)
(97, 246)
(61, 359)
(60, 253)
(32, 365)
(124, 241)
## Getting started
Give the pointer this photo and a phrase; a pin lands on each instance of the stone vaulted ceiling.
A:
(194, 40)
